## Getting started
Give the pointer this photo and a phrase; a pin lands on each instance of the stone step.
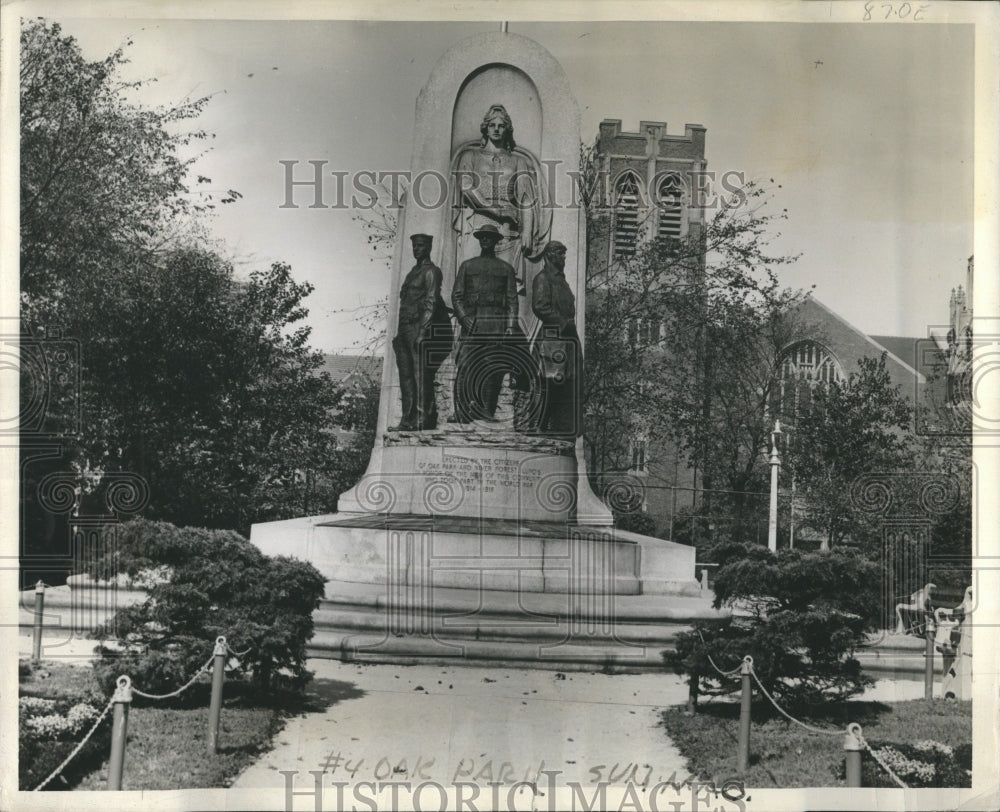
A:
(411, 650)
(633, 609)
(475, 627)
(902, 655)
(496, 627)
(75, 608)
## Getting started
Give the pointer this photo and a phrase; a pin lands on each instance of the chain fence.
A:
(711, 662)
(853, 729)
(180, 690)
(221, 648)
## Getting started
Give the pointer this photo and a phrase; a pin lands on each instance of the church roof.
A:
(903, 347)
(898, 344)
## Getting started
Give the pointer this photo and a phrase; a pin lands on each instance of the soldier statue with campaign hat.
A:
(492, 342)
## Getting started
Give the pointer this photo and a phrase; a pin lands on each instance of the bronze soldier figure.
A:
(557, 348)
(423, 339)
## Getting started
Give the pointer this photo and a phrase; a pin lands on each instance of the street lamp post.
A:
(772, 516)
(791, 516)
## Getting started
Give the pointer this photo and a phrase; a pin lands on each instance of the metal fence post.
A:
(743, 752)
(928, 657)
(692, 700)
(215, 706)
(119, 732)
(36, 646)
(853, 751)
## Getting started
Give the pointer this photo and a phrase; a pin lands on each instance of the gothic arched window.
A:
(626, 231)
(670, 197)
(805, 366)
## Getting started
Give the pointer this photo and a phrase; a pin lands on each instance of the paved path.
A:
(477, 725)
(482, 725)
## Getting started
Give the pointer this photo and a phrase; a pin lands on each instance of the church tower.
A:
(646, 184)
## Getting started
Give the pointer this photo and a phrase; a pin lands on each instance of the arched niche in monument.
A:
(511, 178)
(498, 83)
(516, 72)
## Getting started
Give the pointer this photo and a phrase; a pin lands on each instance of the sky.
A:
(867, 129)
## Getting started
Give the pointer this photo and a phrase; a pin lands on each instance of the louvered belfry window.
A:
(671, 204)
(626, 216)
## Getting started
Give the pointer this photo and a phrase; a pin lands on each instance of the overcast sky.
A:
(868, 129)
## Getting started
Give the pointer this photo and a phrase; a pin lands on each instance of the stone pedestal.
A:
(470, 471)
(413, 552)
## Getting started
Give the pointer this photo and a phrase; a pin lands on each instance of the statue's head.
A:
(488, 237)
(555, 254)
(421, 244)
(498, 128)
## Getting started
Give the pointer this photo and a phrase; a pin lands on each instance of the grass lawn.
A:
(167, 748)
(167, 742)
(783, 754)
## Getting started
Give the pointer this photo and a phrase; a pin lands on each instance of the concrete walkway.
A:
(480, 725)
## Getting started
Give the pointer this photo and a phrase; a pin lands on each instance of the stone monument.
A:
(476, 538)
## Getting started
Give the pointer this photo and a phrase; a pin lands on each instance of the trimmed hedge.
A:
(809, 612)
(215, 583)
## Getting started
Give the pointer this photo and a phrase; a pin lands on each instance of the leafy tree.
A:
(102, 187)
(206, 583)
(358, 414)
(226, 414)
(103, 180)
(951, 535)
(636, 522)
(849, 428)
(684, 342)
(200, 382)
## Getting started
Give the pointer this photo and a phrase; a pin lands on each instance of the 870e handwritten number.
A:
(904, 11)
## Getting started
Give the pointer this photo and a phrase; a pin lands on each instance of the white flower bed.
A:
(55, 725)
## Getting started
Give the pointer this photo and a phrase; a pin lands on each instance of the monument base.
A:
(476, 469)
(417, 588)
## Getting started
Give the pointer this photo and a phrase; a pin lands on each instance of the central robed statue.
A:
(501, 185)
